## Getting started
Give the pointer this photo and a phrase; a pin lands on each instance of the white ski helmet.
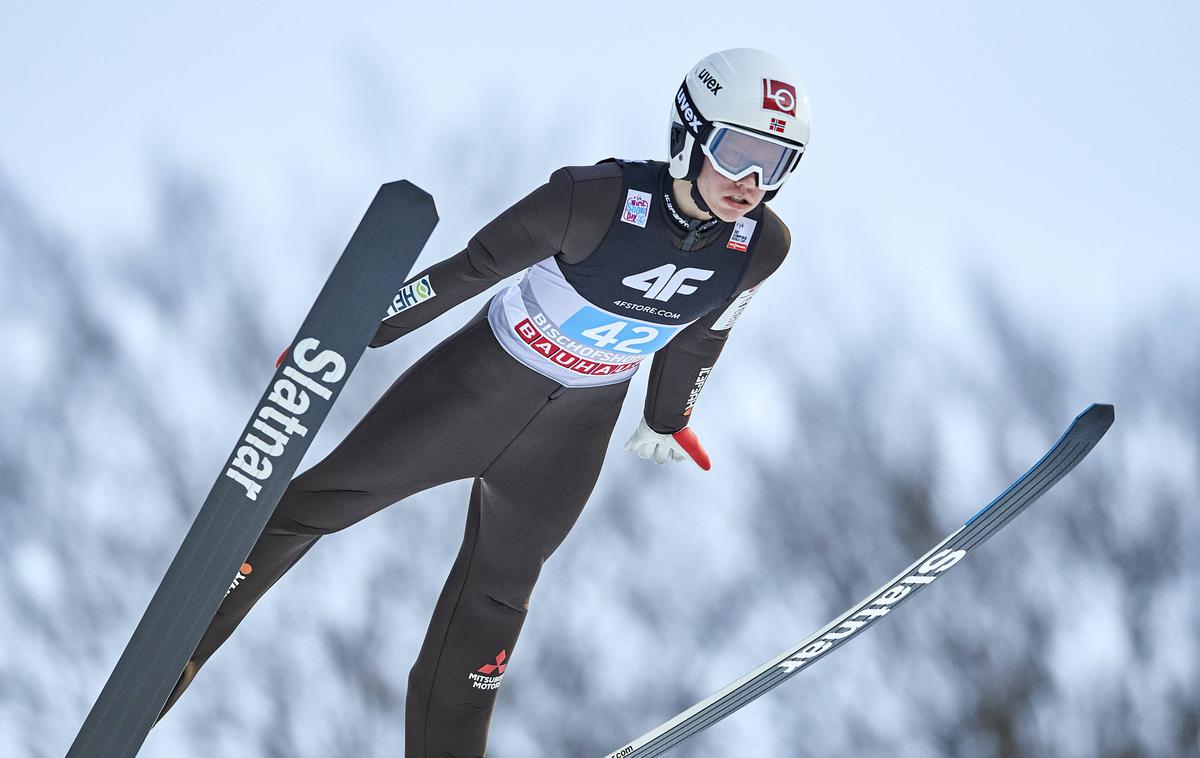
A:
(746, 110)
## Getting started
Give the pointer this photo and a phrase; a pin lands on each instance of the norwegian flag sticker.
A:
(779, 96)
(778, 125)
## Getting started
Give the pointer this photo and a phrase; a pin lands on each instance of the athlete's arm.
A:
(554, 219)
(679, 371)
(681, 368)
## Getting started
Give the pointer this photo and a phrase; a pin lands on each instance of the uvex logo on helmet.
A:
(706, 77)
(686, 111)
(779, 96)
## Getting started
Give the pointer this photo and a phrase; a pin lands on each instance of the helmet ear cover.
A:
(696, 160)
(679, 143)
(680, 131)
(679, 134)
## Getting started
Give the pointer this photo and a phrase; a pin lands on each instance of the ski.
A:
(307, 380)
(1076, 442)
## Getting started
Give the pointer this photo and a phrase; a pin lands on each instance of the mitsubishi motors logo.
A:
(489, 668)
(489, 674)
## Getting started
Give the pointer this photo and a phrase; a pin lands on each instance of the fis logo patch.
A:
(743, 230)
(413, 293)
(637, 208)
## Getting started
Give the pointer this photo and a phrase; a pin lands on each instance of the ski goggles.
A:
(736, 153)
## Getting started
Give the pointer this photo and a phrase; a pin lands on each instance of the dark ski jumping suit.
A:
(523, 400)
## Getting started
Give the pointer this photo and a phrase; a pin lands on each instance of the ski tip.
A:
(415, 200)
(1094, 421)
(405, 187)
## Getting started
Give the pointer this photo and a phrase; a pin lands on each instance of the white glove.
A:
(662, 448)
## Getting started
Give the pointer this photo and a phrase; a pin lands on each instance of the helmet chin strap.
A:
(699, 200)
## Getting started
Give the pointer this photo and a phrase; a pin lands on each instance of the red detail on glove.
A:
(282, 356)
(690, 443)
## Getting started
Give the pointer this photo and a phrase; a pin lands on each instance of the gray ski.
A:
(307, 381)
(1078, 441)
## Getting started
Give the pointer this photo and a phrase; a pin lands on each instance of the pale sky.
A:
(1052, 144)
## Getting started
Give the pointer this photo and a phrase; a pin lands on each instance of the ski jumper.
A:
(522, 400)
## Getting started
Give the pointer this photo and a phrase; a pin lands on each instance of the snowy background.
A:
(995, 225)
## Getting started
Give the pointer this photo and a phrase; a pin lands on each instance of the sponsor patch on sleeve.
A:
(413, 293)
(743, 230)
(731, 314)
(637, 208)
(701, 378)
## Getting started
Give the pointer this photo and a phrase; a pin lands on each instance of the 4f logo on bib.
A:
(664, 282)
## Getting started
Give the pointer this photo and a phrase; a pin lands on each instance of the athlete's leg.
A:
(521, 508)
(435, 424)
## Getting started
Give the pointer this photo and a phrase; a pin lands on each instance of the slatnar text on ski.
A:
(279, 418)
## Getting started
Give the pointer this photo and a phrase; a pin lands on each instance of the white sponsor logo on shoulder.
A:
(413, 293)
(637, 208)
(743, 230)
(731, 314)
